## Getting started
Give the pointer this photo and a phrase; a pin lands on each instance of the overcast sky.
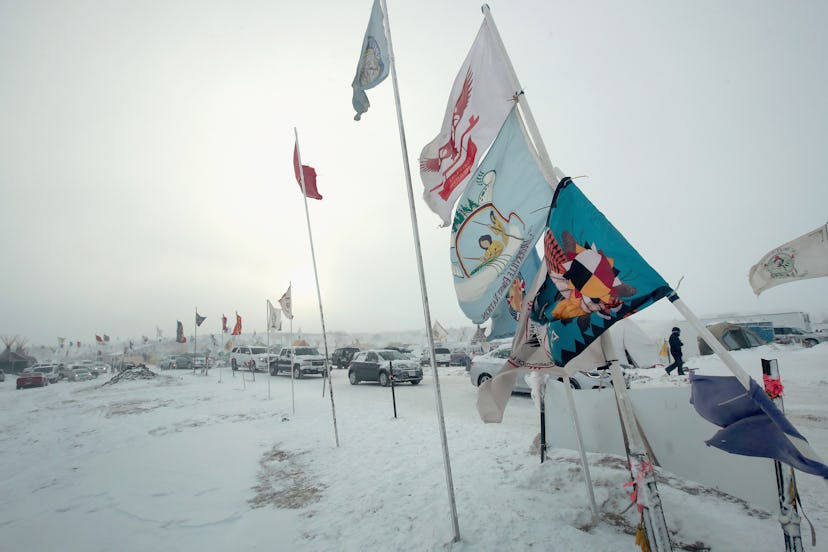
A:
(145, 152)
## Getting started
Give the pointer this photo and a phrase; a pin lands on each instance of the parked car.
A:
(32, 379)
(249, 358)
(785, 335)
(167, 363)
(442, 356)
(80, 373)
(101, 368)
(342, 356)
(460, 357)
(49, 370)
(378, 365)
(485, 367)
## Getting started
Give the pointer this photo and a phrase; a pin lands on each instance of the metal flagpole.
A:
(220, 347)
(426, 313)
(195, 339)
(570, 399)
(641, 465)
(290, 344)
(267, 306)
(785, 480)
(316, 277)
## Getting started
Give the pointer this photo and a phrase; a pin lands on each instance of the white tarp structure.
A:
(675, 432)
(632, 347)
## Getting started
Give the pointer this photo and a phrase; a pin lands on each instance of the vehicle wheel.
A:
(383, 379)
(352, 377)
(482, 378)
(233, 364)
(297, 372)
(415, 382)
(810, 342)
(273, 371)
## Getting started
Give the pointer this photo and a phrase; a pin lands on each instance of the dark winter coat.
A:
(675, 345)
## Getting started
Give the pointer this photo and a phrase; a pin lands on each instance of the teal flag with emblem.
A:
(374, 61)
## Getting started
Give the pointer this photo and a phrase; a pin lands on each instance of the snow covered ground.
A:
(185, 462)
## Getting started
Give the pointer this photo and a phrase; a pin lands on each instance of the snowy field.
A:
(185, 462)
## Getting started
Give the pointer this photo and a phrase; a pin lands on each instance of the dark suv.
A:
(342, 356)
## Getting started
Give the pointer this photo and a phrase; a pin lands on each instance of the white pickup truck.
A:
(301, 360)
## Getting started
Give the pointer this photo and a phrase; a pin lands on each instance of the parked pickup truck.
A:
(300, 360)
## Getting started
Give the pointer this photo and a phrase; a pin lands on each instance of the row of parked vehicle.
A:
(42, 374)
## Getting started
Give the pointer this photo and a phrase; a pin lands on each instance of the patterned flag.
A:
(199, 319)
(505, 315)
(274, 317)
(286, 303)
(224, 328)
(228, 345)
(480, 100)
(308, 173)
(595, 276)
(751, 424)
(374, 61)
(590, 278)
(237, 329)
(800, 259)
(179, 332)
(499, 219)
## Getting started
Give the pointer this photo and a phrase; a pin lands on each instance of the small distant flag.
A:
(213, 339)
(286, 303)
(98, 338)
(106, 338)
(79, 344)
(228, 345)
(179, 332)
(199, 319)
(224, 328)
(144, 338)
(274, 317)
(131, 345)
(237, 329)
(308, 173)
(158, 332)
(61, 340)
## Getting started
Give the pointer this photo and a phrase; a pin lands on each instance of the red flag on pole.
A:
(98, 338)
(237, 329)
(309, 174)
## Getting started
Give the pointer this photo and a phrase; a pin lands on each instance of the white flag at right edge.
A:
(480, 100)
(800, 259)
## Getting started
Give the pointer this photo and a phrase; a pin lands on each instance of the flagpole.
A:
(221, 346)
(267, 306)
(316, 277)
(290, 344)
(419, 257)
(520, 97)
(195, 340)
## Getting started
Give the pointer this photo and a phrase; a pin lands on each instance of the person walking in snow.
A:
(675, 350)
